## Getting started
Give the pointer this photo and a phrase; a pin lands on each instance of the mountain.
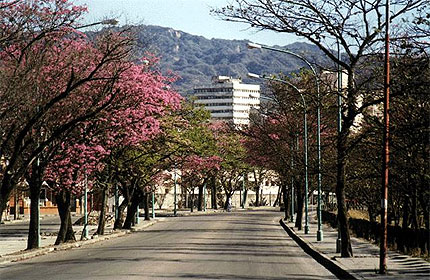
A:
(196, 59)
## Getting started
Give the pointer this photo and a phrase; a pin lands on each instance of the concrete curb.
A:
(333, 267)
(23, 255)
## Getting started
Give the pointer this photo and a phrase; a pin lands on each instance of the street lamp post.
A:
(204, 197)
(153, 204)
(305, 136)
(243, 191)
(174, 192)
(292, 180)
(38, 210)
(85, 230)
(258, 46)
(137, 220)
(116, 202)
(339, 127)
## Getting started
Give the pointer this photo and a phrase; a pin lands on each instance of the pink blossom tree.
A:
(129, 121)
(25, 30)
(53, 82)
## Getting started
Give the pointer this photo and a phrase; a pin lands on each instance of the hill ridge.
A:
(196, 59)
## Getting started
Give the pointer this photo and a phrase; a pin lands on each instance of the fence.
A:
(408, 241)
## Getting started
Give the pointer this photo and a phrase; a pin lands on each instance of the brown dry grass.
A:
(358, 214)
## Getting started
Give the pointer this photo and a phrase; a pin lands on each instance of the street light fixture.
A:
(305, 136)
(258, 46)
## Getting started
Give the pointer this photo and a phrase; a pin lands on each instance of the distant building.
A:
(229, 99)
(330, 78)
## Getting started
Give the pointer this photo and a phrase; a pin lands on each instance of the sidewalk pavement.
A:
(364, 264)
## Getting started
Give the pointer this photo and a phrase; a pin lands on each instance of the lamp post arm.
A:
(317, 83)
(258, 46)
(286, 83)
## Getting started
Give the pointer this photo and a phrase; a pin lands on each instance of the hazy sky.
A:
(191, 16)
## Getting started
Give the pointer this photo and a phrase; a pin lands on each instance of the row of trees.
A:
(352, 158)
(83, 112)
(69, 103)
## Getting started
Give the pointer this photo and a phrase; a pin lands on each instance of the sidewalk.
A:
(13, 240)
(365, 263)
(13, 234)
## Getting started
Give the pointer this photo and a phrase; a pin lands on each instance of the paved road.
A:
(239, 245)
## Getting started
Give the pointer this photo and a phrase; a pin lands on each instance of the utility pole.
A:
(386, 149)
(38, 204)
(339, 126)
(292, 180)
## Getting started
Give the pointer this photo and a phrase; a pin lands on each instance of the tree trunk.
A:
(120, 219)
(346, 249)
(200, 198)
(16, 206)
(35, 184)
(426, 212)
(213, 194)
(285, 200)
(227, 199)
(66, 233)
(132, 208)
(405, 220)
(127, 192)
(299, 216)
(146, 206)
(414, 210)
(3, 204)
(257, 196)
(102, 217)
(145, 199)
(192, 200)
(6, 188)
(33, 236)
(277, 196)
(371, 213)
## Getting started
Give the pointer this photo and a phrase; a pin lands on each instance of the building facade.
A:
(228, 99)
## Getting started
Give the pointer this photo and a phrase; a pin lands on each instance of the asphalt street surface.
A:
(237, 245)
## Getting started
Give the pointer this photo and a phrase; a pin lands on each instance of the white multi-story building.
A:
(229, 99)
(331, 79)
